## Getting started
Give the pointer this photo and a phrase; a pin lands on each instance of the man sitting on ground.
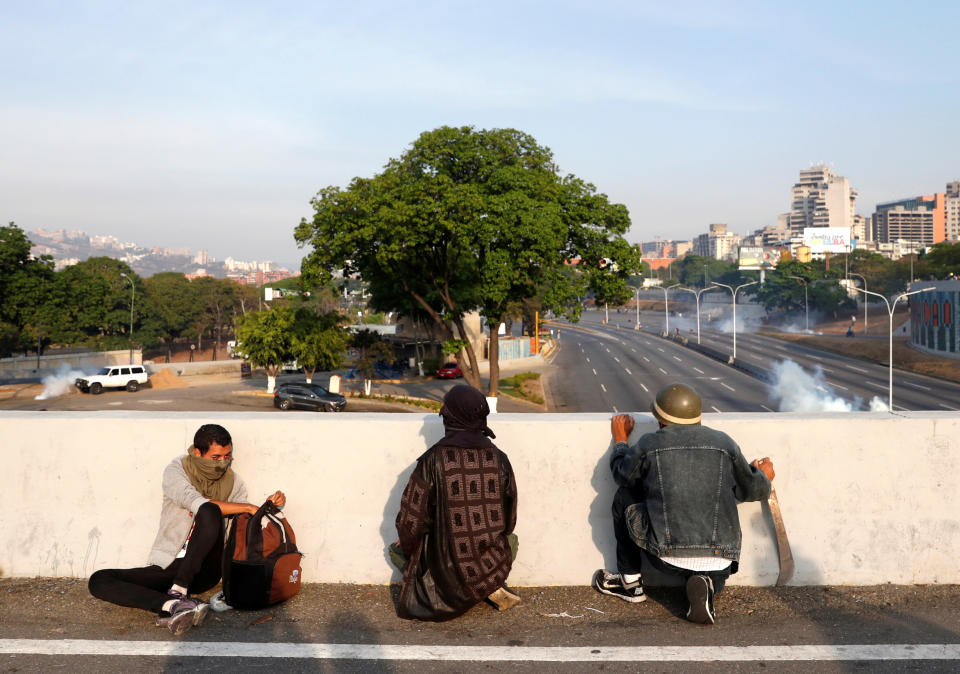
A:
(199, 490)
(456, 518)
(676, 507)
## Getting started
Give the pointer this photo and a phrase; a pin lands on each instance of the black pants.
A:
(146, 587)
(632, 559)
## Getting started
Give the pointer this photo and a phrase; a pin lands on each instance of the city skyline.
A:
(212, 127)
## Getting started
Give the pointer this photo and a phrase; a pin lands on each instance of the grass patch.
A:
(432, 405)
(525, 386)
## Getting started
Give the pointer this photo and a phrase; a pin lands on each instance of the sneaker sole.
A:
(698, 594)
(182, 623)
(503, 599)
(610, 593)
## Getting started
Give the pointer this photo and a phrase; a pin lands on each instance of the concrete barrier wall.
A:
(25, 367)
(867, 498)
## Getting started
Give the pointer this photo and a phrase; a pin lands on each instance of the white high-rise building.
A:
(821, 198)
(718, 243)
(953, 211)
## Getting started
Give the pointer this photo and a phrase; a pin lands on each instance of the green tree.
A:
(266, 339)
(466, 220)
(23, 284)
(319, 343)
(699, 271)
(170, 309)
(373, 349)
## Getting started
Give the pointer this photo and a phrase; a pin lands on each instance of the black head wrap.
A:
(464, 413)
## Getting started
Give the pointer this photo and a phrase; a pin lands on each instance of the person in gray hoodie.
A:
(199, 490)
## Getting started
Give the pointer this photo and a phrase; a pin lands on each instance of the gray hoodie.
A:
(180, 500)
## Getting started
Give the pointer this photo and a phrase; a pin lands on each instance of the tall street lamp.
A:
(890, 310)
(636, 293)
(862, 278)
(806, 301)
(733, 292)
(697, 294)
(133, 292)
(666, 307)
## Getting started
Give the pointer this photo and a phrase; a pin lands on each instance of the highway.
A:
(605, 368)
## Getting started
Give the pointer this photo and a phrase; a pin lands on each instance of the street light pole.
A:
(890, 310)
(666, 308)
(733, 292)
(133, 292)
(863, 278)
(697, 294)
(636, 292)
(806, 301)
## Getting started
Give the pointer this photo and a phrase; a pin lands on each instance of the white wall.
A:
(867, 498)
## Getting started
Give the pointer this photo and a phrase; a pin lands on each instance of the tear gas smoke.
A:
(59, 383)
(795, 390)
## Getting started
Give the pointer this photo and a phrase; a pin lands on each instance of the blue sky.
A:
(211, 125)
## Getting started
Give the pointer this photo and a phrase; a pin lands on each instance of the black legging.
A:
(632, 559)
(146, 587)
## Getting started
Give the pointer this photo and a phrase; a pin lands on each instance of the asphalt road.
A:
(608, 350)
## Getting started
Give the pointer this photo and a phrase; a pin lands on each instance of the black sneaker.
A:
(186, 613)
(700, 596)
(613, 585)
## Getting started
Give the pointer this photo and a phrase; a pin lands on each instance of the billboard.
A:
(757, 257)
(827, 239)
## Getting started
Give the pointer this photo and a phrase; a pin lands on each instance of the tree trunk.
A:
(309, 374)
(494, 356)
(472, 372)
(271, 383)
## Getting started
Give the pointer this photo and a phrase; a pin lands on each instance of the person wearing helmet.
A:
(676, 507)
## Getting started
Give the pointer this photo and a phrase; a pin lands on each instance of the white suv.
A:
(130, 377)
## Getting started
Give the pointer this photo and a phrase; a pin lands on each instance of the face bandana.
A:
(213, 479)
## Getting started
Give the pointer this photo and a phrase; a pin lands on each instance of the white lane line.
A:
(699, 370)
(780, 348)
(615, 409)
(594, 371)
(646, 342)
(816, 358)
(842, 388)
(627, 370)
(662, 370)
(856, 369)
(828, 370)
(728, 387)
(603, 387)
(948, 407)
(588, 360)
(882, 387)
(498, 653)
(645, 389)
(633, 349)
(608, 350)
(678, 358)
(646, 359)
(766, 408)
(616, 359)
(660, 350)
(922, 388)
(715, 410)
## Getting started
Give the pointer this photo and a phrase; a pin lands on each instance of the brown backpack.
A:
(261, 563)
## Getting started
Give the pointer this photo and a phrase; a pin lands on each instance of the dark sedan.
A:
(307, 397)
(449, 371)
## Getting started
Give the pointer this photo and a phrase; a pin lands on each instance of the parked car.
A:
(131, 377)
(449, 371)
(307, 397)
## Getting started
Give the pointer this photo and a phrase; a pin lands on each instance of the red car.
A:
(449, 371)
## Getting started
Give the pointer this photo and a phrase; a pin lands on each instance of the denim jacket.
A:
(686, 482)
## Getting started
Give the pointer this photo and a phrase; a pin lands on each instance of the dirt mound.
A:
(166, 379)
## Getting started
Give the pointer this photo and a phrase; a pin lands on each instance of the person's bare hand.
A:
(621, 425)
(766, 466)
(278, 498)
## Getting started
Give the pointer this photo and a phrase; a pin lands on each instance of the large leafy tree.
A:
(170, 308)
(266, 339)
(470, 219)
(319, 343)
(23, 282)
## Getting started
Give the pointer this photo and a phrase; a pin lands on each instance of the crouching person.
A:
(676, 507)
(199, 490)
(456, 518)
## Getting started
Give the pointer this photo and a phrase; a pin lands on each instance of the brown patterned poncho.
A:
(455, 514)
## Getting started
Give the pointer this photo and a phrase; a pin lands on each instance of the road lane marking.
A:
(615, 409)
(588, 359)
(646, 342)
(608, 350)
(828, 370)
(660, 350)
(817, 358)
(616, 359)
(882, 387)
(699, 370)
(633, 349)
(922, 388)
(842, 388)
(715, 410)
(729, 387)
(662, 370)
(948, 407)
(856, 369)
(645, 389)
(646, 359)
(627, 369)
(678, 358)
(496, 653)
(594, 371)
(780, 348)
(766, 408)
(603, 387)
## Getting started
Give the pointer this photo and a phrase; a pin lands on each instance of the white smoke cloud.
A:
(795, 390)
(57, 384)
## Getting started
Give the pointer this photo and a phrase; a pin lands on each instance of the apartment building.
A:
(821, 198)
(918, 219)
(952, 212)
(718, 243)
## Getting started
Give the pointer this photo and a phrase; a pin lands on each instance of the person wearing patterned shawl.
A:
(456, 518)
